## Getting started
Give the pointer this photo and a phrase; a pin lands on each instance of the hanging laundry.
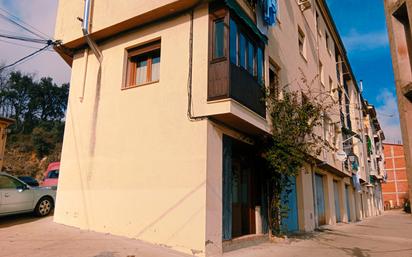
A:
(356, 182)
(270, 8)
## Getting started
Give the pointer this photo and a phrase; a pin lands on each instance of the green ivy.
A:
(294, 115)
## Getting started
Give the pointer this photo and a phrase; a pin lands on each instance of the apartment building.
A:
(374, 138)
(398, 20)
(165, 107)
(395, 190)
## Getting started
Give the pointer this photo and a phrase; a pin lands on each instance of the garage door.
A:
(320, 200)
(290, 223)
(337, 202)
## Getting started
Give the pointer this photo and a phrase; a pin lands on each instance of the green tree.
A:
(38, 108)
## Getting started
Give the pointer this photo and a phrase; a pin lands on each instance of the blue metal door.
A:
(337, 202)
(320, 200)
(290, 223)
(347, 201)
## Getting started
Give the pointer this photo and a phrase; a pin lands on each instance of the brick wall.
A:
(395, 190)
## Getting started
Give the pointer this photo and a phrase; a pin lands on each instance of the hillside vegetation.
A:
(38, 108)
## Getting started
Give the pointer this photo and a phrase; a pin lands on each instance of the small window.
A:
(9, 183)
(143, 65)
(327, 38)
(260, 65)
(301, 42)
(233, 42)
(242, 51)
(53, 174)
(251, 58)
(274, 80)
(330, 89)
(321, 75)
(219, 39)
(339, 69)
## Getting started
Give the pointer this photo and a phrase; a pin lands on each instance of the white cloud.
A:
(365, 41)
(40, 14)
(388, 116)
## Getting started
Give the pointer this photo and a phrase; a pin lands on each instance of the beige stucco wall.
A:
(132, 162)
(105, 13)
(283, 51)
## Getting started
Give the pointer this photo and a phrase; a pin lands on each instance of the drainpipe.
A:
(86, 32)
(86, 60)
(365, 160)
(93, 46)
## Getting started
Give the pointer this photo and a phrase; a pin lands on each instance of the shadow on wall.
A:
(173, 207)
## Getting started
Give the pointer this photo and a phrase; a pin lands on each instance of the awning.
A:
(237, 9)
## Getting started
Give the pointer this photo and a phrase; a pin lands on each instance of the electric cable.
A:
(26, 39)
(24, 58)
(22, 45)
(17, 18)
(21, 26)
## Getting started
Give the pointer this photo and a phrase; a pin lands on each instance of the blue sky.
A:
(362, 26)
(42, 15)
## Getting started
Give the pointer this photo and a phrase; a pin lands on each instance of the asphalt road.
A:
(387, 235)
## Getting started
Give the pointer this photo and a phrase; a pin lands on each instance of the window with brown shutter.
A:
(143, 65)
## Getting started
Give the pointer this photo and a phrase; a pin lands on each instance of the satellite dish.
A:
(341, 156)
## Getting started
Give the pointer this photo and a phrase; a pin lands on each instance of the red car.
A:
(51, 176)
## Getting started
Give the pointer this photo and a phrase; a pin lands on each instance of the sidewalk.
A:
(26, 236)
(387, 235)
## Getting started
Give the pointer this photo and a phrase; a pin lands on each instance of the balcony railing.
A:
(246, 90)
(239, 85)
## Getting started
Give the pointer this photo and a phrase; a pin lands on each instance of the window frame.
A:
(218, 15)
(331, 87)
(317, 22)
(224, 51)
(322, 75)
(327, 40)
(145, 49)
(249, 39)
(14, 181)
(275, 88)
(302, 38)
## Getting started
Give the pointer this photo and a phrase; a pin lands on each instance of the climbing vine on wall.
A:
(296, 118)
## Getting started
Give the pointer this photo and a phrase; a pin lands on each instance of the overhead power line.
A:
(24, 58)
(21, 26)
(17, 18)
(40, 37)
(23, 45)
(26, 39)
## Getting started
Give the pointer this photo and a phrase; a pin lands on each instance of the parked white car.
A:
(18, 197)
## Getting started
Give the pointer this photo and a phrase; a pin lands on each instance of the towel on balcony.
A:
(270, 8)
(356, 182)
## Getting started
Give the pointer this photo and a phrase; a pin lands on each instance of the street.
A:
(386, 235)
